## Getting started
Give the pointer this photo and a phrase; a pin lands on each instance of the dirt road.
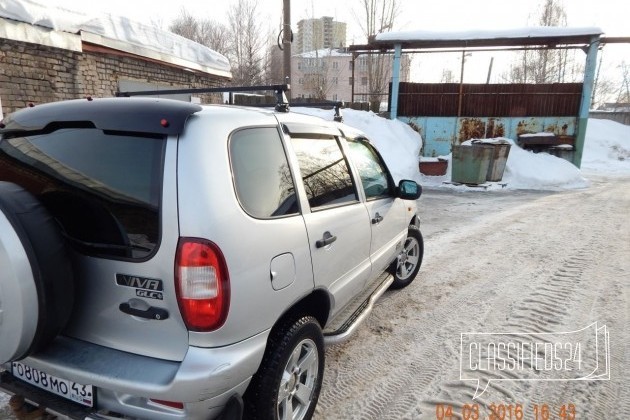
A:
(530, 262)
(527, 262)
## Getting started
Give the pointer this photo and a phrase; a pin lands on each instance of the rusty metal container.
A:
(470, 163)
(498, 161)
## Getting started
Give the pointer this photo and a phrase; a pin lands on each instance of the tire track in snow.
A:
(414, 334)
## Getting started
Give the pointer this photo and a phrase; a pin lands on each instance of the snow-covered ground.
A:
(606, 152)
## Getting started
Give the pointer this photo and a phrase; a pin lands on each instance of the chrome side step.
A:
(360, 314)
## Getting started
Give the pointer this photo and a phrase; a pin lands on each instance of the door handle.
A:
(326, 240)
(158, 314)
(377, 219)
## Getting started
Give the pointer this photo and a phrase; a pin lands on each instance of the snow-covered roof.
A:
(325, 52)
(486, 34)
(114, 32)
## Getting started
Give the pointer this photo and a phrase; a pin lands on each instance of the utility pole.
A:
(286, 42)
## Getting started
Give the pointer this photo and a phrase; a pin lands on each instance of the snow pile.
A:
(540, 171)
(607, 151)
(607, 148)
(398, 143)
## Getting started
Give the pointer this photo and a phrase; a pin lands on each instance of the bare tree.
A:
(447, 76)
(624, 89)
(212, 34)
(377, 16)
(244, 41)
(248, 43)
(547, 65)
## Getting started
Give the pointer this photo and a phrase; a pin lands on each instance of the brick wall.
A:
(32, 73)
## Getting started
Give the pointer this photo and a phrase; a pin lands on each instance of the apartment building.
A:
(315, 34)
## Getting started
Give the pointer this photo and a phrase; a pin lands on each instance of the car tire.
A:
(406, 266)
(289, 379)
(36, 279)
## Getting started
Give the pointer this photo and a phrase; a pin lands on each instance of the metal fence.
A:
(488, 100)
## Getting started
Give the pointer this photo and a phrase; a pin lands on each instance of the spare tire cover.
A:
(36, 281)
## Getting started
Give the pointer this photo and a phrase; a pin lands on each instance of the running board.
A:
(338, 334)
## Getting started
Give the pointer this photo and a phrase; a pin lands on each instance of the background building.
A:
(326, 74)
(315, 34)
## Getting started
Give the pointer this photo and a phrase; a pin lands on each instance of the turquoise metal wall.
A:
(439, 133)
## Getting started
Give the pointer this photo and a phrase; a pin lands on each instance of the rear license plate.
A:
(82, 394)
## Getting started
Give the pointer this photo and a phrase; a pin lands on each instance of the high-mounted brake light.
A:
(202, 284)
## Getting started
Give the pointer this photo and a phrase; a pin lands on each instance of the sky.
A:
(611, 16)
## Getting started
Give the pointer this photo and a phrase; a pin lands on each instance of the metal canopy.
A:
(476, 43)
(587, 39)
(577, 41)
(522, 37)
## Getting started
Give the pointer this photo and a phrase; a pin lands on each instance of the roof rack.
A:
(337, 105)
(282, 103)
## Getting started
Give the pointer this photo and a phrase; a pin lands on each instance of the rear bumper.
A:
(204, 381)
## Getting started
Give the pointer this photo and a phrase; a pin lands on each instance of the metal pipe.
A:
(286, 42)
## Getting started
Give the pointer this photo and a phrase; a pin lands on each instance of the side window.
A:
(262, 179)
(325, 172)
(374, 175)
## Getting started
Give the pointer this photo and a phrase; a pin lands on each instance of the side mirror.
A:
(409, 190)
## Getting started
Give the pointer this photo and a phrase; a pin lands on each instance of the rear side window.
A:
(325, 172)
(262, 178)
(103, 188)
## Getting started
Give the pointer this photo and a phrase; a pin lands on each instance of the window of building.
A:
(364, 81)
(350, 80)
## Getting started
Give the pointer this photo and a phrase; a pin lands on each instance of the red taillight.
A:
(202, 284)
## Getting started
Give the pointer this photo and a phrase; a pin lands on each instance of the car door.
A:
(386, 211)
(337, 223)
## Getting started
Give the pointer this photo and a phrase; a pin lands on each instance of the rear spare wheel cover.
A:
(36, 278)
(18, 295)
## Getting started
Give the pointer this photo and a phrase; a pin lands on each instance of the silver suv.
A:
(165, 260)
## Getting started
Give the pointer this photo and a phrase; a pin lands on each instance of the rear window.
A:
(103, 188)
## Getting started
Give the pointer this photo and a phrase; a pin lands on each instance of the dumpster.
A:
(563, 151)
(500, 152)
(470, 163)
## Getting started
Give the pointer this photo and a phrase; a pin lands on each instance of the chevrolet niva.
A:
(165, 260)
